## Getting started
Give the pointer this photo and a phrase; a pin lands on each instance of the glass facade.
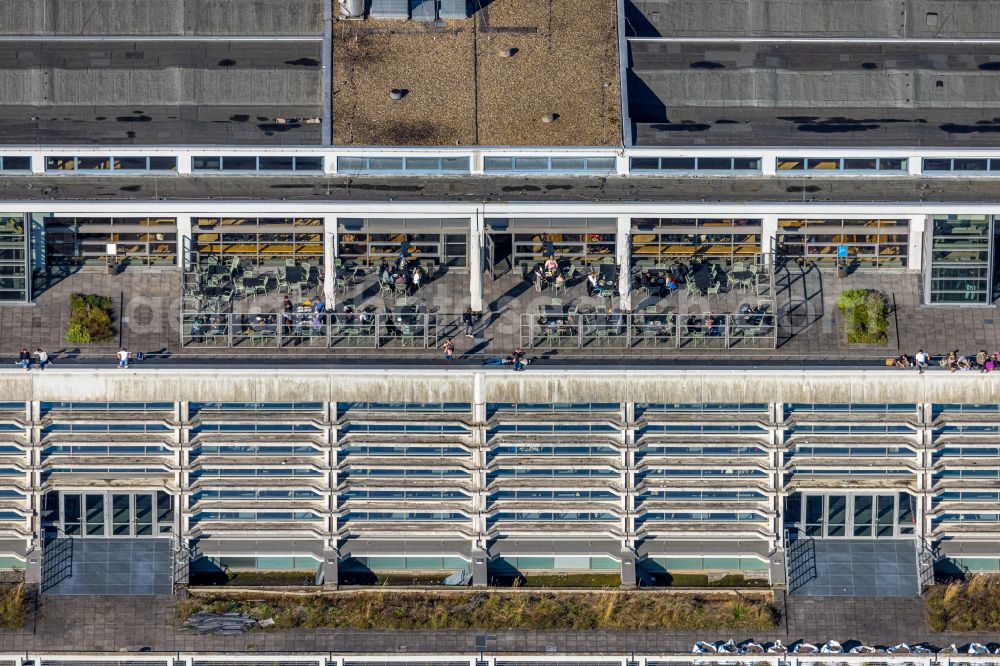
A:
(667, 239)
(259, 240)
(891, 165)
(367, 473)
(14, 276)
(83, 241)
(960, 259)
(870, 243)
(439, 241)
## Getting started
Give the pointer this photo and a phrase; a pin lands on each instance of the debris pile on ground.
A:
(225, 624)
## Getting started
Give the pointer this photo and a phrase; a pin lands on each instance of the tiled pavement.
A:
(118, 566)
(82, 624)
(810, 325)
(856, 567)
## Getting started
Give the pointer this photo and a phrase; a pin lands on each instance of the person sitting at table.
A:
(551, 266)
(316, 323)
(418, 277)
(383, 267)
(592, 286)
(319, 307)
(286, 304)
(560, 280)
(385, 274)
(400, 279)
(539, 279)
(671, 283)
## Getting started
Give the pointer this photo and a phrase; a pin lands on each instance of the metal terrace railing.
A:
(661, 330)
(403, 327)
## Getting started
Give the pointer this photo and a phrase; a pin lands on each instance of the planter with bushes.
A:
(90, 319)
(866, 316)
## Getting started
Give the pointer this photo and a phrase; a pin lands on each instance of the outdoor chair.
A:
(341, 285)
(384, 290)
(714, 289)
(289, 261)
(282, 283)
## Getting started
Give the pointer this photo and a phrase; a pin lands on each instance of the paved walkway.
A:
(147, 303)
(84, 624)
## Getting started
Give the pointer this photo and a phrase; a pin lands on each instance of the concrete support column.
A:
(768, 236)
(184, 240)
(331, 568)
(477, 240)
(184, 165)
(38, 163)
(623, 257)
(915, 252)
(769, 165)
(914, 165)
(330, 261)
(480, 567)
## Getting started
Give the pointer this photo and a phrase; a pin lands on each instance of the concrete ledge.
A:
(690, 385)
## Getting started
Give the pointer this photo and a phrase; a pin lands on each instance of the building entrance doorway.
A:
(861, 515)
(102, 514)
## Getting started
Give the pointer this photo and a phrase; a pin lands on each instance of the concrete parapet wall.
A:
(500, 385)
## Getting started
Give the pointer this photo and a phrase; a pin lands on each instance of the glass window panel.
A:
(531, 163)
(143, 515)
(16, 163)
(823, 163)
(308, 163)
(95, 515)
(206, 163)
(498, 163)
(239, 163)
(130, 164)
(677, 163)
(886, 514)
(644, 163)
(60, 163)
(277, 163)
(121, 515)
(350, 163)
(814, 515)
(569, 164)
(72, 514)
(791, 164)
(715, 163)
(937, 164)
(860, 164)
(455, 163)
(892, 164)
(969, 164)
(836, 515)
(385, 163)
(862, 516)
(746, 163)
(93, 163)
(162, 163)
(423, 163)
(600, 163)
(164, 507)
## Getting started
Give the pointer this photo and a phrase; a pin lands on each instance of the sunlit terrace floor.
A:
(148, 308)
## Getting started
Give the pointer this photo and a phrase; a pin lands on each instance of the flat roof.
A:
(160, 92)
(444, 189)
(710, 93)
(871, 19)
(462, 90)
(161, 17)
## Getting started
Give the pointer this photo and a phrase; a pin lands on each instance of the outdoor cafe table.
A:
(251, 283)
(217, 269)
(702, 277)
(551, 315)
(293, 273)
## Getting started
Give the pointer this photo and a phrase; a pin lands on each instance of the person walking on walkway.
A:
(24, 359)
(921, 360)
(469, 318)
(43, 358)
(449, 350)
(122, 358)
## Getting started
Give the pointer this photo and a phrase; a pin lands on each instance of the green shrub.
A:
(866, 316)
(90, 319)
(13, 608)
